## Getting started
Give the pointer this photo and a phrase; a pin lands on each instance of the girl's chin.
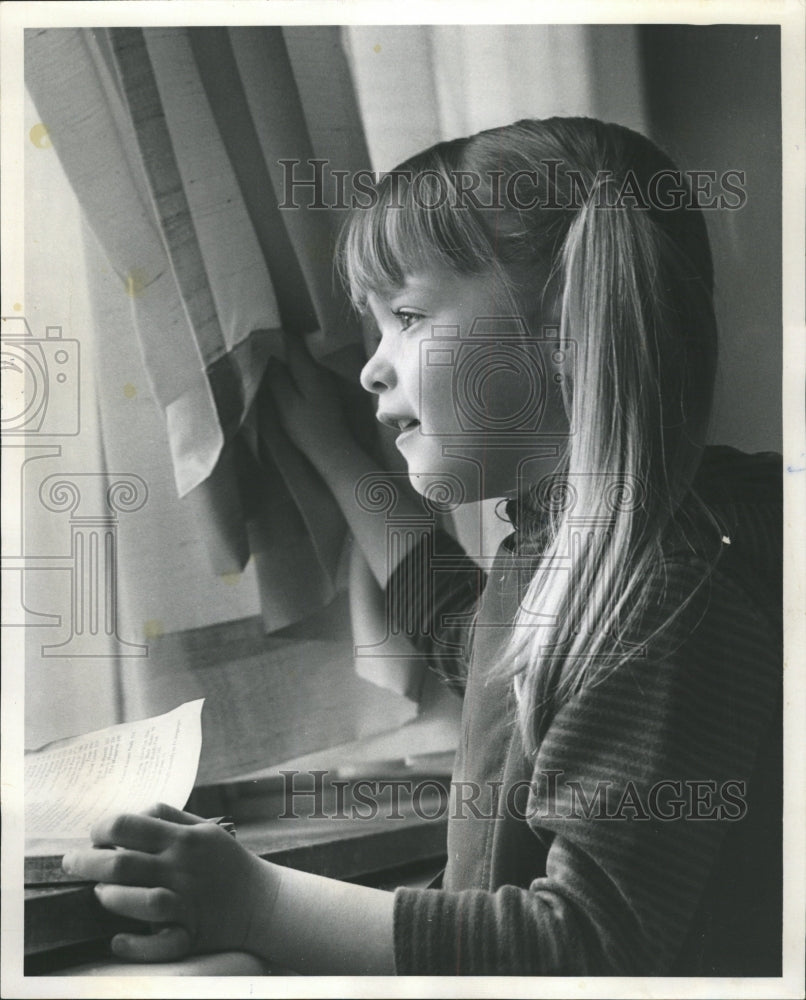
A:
(453, 480)
(444, 489)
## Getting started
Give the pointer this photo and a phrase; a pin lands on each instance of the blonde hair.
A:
(633, 280)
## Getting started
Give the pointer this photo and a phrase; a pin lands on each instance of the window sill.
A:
(67, 929)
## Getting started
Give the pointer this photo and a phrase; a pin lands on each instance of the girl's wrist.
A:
(261, 933)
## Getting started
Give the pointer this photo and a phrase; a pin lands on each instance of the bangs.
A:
(412, 224)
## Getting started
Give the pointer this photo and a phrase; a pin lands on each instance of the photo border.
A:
(14, 17)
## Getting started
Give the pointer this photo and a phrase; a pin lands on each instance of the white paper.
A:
(126, 768)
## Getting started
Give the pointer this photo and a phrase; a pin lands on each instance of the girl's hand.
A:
(308, 404)
(170, 868)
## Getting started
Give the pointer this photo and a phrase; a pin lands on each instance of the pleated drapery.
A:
(172, 139)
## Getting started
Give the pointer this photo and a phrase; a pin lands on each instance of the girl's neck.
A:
(479, 529)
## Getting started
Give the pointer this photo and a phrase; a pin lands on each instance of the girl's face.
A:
(464, 383)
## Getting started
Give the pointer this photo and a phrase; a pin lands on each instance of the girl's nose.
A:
(377, 375)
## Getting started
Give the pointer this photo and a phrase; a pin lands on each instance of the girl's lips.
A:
(398, 421)
(408, 431)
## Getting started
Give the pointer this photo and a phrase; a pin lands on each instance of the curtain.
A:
(172, 139)
(445, 81)
(55, 292)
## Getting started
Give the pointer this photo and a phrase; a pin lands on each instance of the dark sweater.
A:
(645, 837)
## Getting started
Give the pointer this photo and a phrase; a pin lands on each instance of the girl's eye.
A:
(407, 317)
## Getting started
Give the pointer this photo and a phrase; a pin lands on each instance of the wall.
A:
(713, 97)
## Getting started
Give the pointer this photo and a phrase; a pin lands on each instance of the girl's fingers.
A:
(137, 831)
(161, 811)
(158, 904)
(121, 867)
(168, 944)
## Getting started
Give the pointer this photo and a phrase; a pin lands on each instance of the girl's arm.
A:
(205, 892)
(330, 927)
(313, 418)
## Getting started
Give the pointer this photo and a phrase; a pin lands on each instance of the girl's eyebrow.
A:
(418, 283)
(421, 288)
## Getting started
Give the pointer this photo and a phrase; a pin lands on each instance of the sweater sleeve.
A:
(432, 597)
(635, 785)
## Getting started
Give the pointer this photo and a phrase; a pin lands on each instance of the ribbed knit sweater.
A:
(644, 838)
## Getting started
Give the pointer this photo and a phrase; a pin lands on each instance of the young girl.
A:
(542, 295)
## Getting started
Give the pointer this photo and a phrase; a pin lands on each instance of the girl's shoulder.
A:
(739, 496)
(731, 524)
(727, 476)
